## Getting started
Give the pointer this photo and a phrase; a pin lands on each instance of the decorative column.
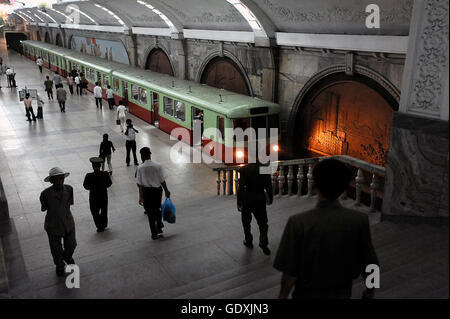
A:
(417, 166)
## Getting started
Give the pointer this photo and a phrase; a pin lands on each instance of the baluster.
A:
(218, 182)
(224, 182)
(274, 183)
(373, 193)
(230, 182)
(359, 180)
(300, 177)
(281, 181)
(310, 180)
(290, 178)
(236, 181)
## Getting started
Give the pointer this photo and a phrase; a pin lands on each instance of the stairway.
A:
(413, 257)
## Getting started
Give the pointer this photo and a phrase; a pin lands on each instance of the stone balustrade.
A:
(294, 178)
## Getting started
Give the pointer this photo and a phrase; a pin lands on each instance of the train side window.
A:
(180, 111)
(116, 85)
(134, 92)
(125, 88)
(168, 106)
(105, 80)
(99, 77)
(143, 95)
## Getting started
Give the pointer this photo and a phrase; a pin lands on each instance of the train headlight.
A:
(239, 154)
(276, 148)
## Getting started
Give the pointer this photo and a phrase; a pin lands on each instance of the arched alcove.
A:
(58, 40)
(158, 61)
(47, 38)
(344, 115)
(224, 73)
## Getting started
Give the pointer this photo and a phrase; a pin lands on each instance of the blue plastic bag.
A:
(168, 211)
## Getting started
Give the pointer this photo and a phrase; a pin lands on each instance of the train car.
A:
(170, 103)
(53, 56)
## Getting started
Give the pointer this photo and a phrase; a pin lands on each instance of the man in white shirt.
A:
(10, 75)
(121, 109)
(78, 83)
(40, 63)
(98, 95)
(151, 180)
(110, 97)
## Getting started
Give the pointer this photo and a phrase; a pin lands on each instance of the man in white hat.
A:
(59, 223)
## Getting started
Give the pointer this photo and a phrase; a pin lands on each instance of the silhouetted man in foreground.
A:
(252, 200)
(322, 250)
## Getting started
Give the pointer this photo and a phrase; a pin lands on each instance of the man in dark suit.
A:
(322, 250)
(97, 183)
(251, 199)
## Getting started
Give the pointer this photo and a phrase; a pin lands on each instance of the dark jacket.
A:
(105, 148)
(252, 185)
(97, 183)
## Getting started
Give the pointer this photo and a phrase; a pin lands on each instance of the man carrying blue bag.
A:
(168, 211)
(151, 180)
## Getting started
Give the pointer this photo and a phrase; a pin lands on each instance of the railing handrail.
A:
(373, 168)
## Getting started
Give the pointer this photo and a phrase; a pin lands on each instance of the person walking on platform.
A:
(40, 63)
(58, 81)
(70, 83)
(106, 149)
(110, 97)
(78, 84)
(251, 199)
(29, 107)
(61, 96)
(40, 103)
(4, 68)
(121, 109)
(83, 83)
(98, 95)
(324, 249)
(151, 180)
(130, 144)
(59, 223)
(49, 87)
(10, 76)
(97, 183)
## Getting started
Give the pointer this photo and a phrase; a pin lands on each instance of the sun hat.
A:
(55, 171)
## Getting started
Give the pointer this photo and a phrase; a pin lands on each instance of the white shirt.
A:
(39, 62)
(9, 72)
(150, 174)
(77, 80)
(98, 92)
(121, 109)
(109, 94)
(131, 135)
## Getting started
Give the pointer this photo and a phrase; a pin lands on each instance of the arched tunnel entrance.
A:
(158, 61)
(345, 115)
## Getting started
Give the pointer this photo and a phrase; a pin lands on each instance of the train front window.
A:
(259, 122)
(242, 124)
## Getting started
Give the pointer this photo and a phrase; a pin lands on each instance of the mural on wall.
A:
(348, 119)
(106, 49)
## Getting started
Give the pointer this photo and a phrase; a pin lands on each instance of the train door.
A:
(197, 126)
(125, 92)
(155, 109)
(99, 78)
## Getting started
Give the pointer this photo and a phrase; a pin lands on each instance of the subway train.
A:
(205, 114)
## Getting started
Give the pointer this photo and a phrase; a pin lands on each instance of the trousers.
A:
(259, 211)
(62, 106)
(30, 112)
(152, 205)
(108, 160)
(131, 146)
(62, 247)
(98, 101)
(99, 211)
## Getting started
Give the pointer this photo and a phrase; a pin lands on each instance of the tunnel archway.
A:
(58, 40)
(224, 73)
(158, 61)
(47, 38)
(345, 115)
